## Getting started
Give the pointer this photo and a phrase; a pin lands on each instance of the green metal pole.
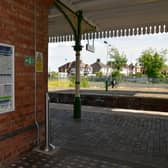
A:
(77, 101)
(77, 30)
(78, 48)
(106, 85)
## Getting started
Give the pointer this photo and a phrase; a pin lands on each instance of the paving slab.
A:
(69, 159)
(103, 138)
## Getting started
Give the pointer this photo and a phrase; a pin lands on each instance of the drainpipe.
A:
(35, 75)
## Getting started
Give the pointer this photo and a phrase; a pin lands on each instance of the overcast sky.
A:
(61, 53)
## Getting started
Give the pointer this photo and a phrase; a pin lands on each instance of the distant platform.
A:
(133, 99)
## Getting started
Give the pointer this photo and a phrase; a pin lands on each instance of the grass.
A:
(58, 84)
(54, 84)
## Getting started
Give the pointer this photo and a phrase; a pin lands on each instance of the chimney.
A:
(98, 60)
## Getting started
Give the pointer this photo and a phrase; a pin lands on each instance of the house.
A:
(165, 70)
(132, 69)
(128, 69)
(64, 68)
(70, 68)
(138, 69)
(98, 66)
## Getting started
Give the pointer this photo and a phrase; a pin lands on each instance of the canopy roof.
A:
(112, 18)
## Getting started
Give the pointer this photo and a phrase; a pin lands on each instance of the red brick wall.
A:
(17, 129)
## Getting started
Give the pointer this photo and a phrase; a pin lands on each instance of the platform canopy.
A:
(112, 18)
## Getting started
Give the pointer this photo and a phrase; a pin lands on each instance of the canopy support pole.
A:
(77, 31)
(78, 48)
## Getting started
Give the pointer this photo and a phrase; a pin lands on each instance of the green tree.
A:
(99, 74)
(84, 82)
(53, 75)
(72, 81)
(116, 75)
(153, 62)
(118, 60)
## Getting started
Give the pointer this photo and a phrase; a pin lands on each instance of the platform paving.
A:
(103, 138)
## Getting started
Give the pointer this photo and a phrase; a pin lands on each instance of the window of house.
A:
(6, 78)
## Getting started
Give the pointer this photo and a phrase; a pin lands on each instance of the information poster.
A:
(39, 62)
(6, 78)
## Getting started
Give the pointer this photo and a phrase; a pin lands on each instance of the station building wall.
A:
(18, 132)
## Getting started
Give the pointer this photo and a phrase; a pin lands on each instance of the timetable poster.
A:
(6, 78)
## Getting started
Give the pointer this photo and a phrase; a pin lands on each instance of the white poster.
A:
(6, 78)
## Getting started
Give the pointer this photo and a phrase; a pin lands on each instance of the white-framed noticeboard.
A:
(6, 78)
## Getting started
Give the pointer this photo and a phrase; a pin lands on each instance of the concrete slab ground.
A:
(103, 138)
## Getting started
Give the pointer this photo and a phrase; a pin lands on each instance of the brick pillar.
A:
(17, 128)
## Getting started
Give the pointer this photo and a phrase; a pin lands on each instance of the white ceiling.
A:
(113, 15)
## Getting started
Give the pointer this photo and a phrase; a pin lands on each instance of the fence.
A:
(130, 82)
(136, 82)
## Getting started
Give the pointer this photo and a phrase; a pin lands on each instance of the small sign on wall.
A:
(39, 62)
(29, 60)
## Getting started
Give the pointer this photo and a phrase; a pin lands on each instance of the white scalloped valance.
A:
(114, 33)
(112, 18)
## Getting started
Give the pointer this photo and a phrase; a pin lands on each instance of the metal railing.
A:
(48, 146)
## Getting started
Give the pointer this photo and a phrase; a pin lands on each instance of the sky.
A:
(132, 47)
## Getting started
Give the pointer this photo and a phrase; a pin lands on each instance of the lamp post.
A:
(106, 82)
